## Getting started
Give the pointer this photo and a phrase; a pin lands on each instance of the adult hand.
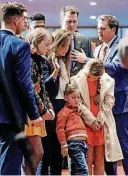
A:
(56, 67)
(38, 122)
(78, 56)
(48, 116)
(64, 151)
(52, 113)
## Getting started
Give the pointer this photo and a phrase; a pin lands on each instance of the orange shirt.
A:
(95, 138)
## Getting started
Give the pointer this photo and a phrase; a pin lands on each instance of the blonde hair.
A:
(69, 89)
(36, 36)
(61, 38)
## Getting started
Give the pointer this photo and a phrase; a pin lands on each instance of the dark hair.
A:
(96, 67)
(70, 9)
(37, 17)
(112, 21)
(11, 9)
(69, 89)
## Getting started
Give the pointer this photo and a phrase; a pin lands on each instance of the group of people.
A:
(69, 100)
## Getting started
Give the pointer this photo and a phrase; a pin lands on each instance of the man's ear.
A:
(16, 23)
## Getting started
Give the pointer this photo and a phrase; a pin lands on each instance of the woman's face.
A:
(62, 49)
(43, 48)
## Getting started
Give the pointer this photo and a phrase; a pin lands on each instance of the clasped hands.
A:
(96, 125)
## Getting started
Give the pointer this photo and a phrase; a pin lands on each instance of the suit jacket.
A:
(112, 147)
(15, 57)
(114, 68)
(80, 42)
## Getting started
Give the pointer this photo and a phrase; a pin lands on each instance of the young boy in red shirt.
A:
(71, 132)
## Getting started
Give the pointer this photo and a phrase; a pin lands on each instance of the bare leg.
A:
(99, 160)
(35, 142)
(90, 158)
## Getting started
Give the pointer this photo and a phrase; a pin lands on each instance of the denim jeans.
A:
(78, 152)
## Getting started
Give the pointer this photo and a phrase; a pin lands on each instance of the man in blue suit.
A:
(108, 51)
(123, 51)
(15, 58)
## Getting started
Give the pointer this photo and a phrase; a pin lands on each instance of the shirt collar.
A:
(8, 30)
(109, 43)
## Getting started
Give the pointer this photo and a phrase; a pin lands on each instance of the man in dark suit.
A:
(108, 51)
(80, 46)
(15, 58)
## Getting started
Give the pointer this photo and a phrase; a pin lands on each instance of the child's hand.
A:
(64, 151)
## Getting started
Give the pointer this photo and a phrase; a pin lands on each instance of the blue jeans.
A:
(77, 152)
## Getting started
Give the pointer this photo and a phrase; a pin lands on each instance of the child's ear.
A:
(65, 97)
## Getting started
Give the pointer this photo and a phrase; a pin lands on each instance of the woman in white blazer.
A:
(97, 99)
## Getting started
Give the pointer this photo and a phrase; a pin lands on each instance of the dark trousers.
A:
(122, 132)
(10, 152)
(77, 152)
(111, 168)
(52, 156)
(52, 150)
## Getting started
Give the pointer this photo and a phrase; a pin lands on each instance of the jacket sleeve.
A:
(87, 116)
(52, 86)
(60, 128)
(107, 104)
(23, 77)
(115, 66)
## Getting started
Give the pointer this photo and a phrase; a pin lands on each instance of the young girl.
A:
(40, 41)
(97, 99)
(71, 131)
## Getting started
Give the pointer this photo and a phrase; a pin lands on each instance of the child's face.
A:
(73, 99)
(44, 46)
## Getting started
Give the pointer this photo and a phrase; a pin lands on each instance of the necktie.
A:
(103, 52)
(71, 47)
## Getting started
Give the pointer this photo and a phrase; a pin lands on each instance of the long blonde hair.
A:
(61, 38)
(36, 36)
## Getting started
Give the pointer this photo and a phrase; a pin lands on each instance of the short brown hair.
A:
(70, 9)
(11, 9)
(112, 21)
(96, 67)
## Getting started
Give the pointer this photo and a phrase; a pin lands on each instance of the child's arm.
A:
(87, 116)
(60, 128)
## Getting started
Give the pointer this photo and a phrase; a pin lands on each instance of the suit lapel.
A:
(78, 43)
(110, 50)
